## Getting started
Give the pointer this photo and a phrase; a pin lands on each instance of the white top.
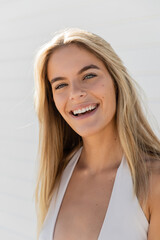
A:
(124, 219)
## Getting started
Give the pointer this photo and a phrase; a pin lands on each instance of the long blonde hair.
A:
(58, 142)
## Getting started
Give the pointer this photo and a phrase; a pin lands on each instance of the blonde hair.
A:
(58, 142)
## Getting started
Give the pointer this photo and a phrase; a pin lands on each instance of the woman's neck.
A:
(101, 151)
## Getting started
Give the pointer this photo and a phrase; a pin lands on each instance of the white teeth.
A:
(84, 109)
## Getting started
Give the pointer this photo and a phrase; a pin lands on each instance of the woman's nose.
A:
(76, 92)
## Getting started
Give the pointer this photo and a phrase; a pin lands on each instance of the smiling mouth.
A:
(84, 113)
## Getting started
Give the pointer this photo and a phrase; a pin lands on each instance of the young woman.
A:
(99, 168)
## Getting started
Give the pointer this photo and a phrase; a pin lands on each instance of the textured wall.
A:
(132, 28)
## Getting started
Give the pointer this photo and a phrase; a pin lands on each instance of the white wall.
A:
(132, 28)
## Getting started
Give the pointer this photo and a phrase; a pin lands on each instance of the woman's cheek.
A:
(99, 88)
(58, 100)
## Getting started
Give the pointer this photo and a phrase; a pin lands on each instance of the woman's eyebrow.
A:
(88, 67)
(85, 68)
(57, 79)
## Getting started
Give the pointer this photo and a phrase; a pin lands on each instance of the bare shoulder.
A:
(154, 200)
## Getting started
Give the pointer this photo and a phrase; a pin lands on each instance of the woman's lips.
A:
(86, 114)
(80, 107)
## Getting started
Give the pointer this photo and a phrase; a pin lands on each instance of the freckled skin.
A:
(66, 62)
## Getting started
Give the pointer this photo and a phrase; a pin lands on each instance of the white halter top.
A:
(124, 219)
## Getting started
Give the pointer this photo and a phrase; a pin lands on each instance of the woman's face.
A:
(83, 90)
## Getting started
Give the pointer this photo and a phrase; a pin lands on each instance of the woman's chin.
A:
(84, 133)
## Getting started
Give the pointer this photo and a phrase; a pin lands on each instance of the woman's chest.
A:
(84, 207)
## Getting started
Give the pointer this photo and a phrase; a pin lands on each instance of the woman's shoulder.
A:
(154, 199)
(153, 167)
(154, 180)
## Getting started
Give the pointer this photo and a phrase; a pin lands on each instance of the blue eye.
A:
(88, 76)
(60, 86)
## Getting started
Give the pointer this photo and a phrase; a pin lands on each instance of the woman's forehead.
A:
(70, 57)
(74, 50)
